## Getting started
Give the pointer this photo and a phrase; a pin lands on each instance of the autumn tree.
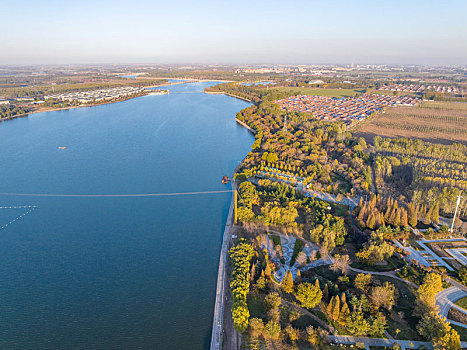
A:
(309, 295)
(287, 282)
(362, 281)
(384, 296)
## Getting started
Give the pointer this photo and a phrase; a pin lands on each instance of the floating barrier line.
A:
(114, 195)
(17, 218)
(20, 207)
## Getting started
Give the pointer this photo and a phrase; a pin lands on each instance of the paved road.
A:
(446, 298)
(218, 320)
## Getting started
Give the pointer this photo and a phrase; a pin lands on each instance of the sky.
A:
(234, 32)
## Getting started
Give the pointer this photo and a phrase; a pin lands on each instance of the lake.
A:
(124, 272)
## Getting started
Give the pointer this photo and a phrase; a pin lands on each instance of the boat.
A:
(61, 147)
(225, 180)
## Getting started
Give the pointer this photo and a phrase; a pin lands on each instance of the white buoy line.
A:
(19, 217)
(114, 195)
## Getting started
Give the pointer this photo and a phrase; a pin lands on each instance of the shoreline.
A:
(222, 277)
(253, 131)
(51, 109)
(218, 319)
(227, 94)
(68, 108)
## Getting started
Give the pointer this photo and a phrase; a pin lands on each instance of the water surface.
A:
(116, 273)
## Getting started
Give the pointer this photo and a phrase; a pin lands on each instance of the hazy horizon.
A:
(180, 32)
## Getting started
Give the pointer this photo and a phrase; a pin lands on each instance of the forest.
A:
(425, 173)
(7, 111)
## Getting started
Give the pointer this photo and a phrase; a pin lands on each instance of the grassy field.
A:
(462, 303)
(321, 92)
(439, 125)
(393, 263)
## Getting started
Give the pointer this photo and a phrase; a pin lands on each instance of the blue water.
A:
(116, 273)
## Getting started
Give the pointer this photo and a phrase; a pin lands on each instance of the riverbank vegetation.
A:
(9, 111)
(294, 156)
(429, 174)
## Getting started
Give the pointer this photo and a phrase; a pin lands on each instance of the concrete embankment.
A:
(253, 131)
(227, 94)
(218, 320)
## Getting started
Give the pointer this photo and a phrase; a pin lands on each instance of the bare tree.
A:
(341, 263)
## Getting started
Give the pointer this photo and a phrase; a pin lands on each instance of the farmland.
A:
(438, 124)
(459, 106)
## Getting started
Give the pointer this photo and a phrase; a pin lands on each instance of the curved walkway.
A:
(446, 299)
(308, 313)
(391, 274)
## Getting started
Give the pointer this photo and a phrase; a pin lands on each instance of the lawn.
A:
(321, 92)
(305, 321)
(256, 305)
(393, 263)
(339, 209)
(462, 303)
(404, 304)
(276, 240)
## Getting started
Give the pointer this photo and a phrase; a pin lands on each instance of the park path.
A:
(446, 299)
(405, 344)
(308, 313)
(391, 274)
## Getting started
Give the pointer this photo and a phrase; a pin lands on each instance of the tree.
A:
(267, 271)
(240, 316)
(404, 220)
(435, 214)
(325, 292)
(384, 296)
(413, 214)
(362, 281)
(344, 313)
(309, 295)
(449, 341)
(334, 308)
(248, 194)
(298, 277)
(256, 328)
(292, 333)
(272, 330)
(317, 337)
(341, 263)
(432, 285)
(273, 300)
(432, 326)
(378, 325)
(287, 282)
(356, 324)
(427, 218)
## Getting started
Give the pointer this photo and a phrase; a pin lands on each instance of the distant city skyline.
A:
(240, 32)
